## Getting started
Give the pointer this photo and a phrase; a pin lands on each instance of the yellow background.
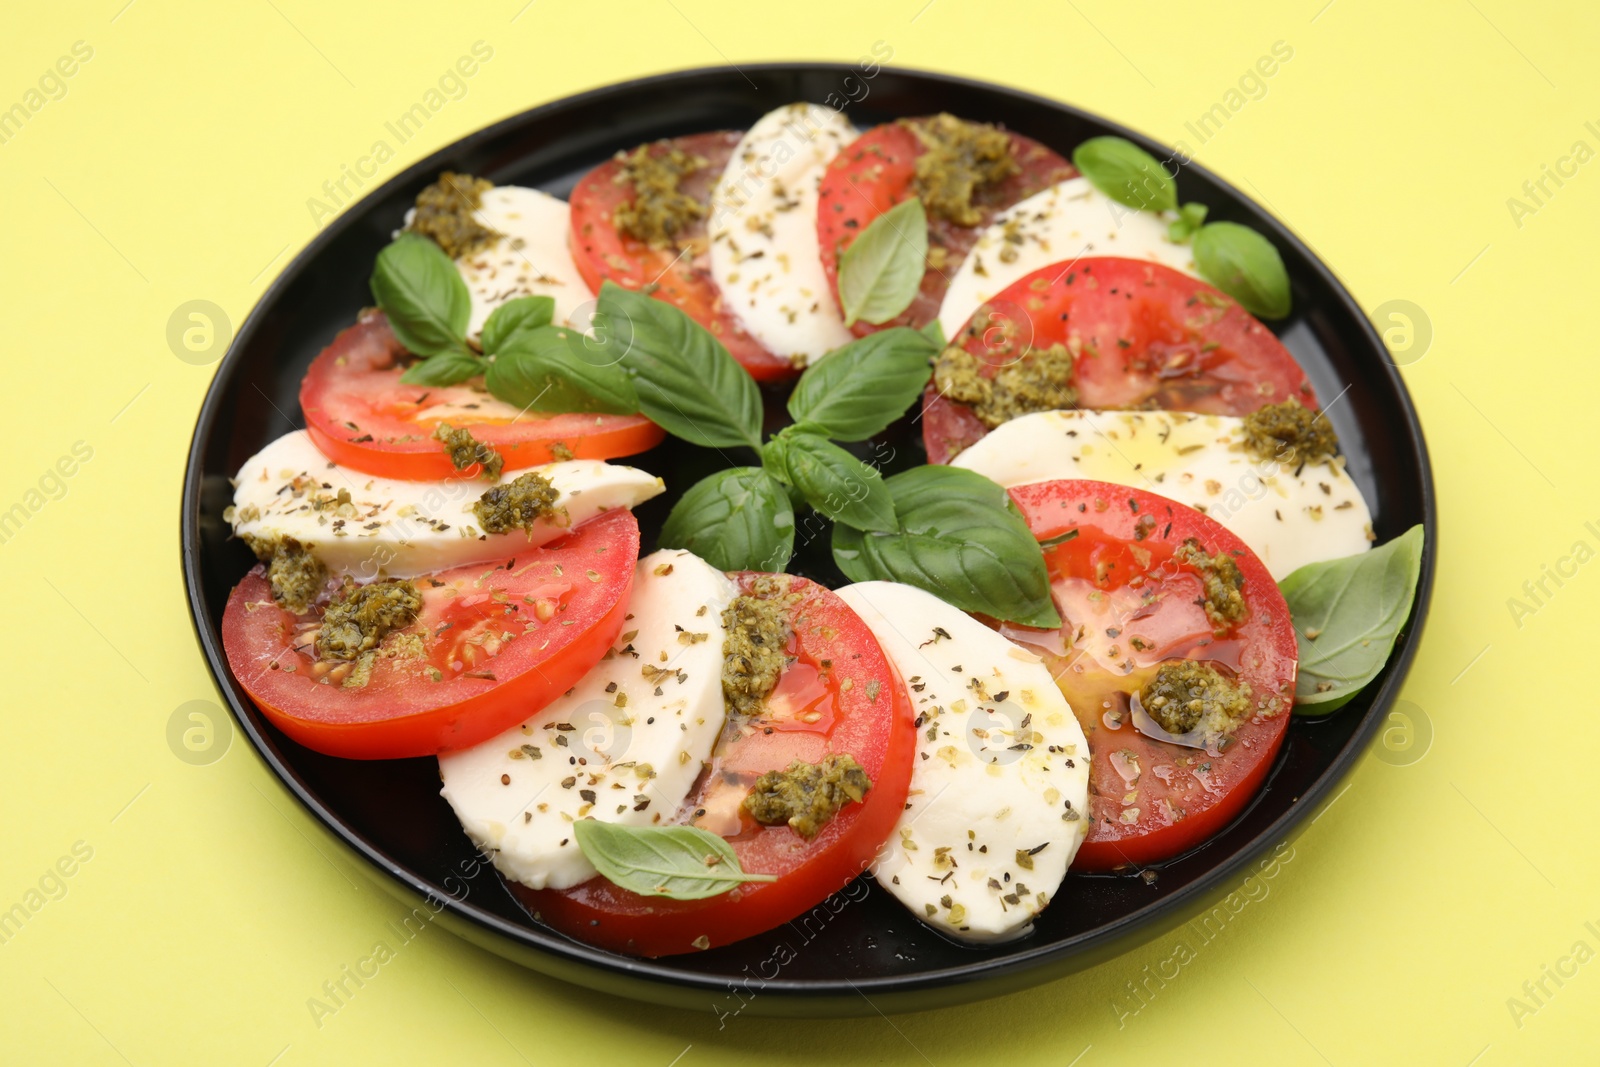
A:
(177, 167)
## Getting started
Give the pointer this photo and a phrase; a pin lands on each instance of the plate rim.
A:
(598, 964)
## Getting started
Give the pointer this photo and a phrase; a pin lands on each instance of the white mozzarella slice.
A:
(765, 258)
(625, 745)
(1068, 221)
(531, 258)
(362, 525)
(1288, 516)
(1000, 784)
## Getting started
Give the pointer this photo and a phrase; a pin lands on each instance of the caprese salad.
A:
(1073, 640)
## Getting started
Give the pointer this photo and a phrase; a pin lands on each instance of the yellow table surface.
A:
(1438, 911)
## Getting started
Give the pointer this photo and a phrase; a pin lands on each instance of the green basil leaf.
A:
(856, 391)
(1190, 217)
(687, 382)
(421, 292)
(1243, 264)
(515, 316)
(775, 457)
(446, 368)
(836, 483)
(680, 862)
(1347, 615)
(934, 332)
(1126, 173)
(880, 272)
(546, 369)
(961, 539)
(738, 519)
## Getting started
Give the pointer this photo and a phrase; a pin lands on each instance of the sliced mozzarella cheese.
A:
(625, 745)
(1000, 783)
(1068, 221)
(764, 253)
(1289, 516)
(362, 525)
(531, 258)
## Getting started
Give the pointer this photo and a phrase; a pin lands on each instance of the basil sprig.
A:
(959, 537)
(743, 519)
(830, 479)
(678, 862)
(739, 519)
(880, 272)
(418, 287)
(1234, 258)
(1243, 264)
(515, 317)
(687, 382)
(548, 369)
(856, 391)
(1347, 615)
(524, 359)
(1126, 173)
(1190, 218)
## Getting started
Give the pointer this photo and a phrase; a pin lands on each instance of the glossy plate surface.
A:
(860, 952)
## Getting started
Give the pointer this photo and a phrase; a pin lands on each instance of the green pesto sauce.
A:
(807, 796)
(518, 505)
(297, 576)
(755, 648)
(444, 213)
(1224, 600)
(1186, 695)
(358, 619)
(958, 159)
(1040, 379)
(1290, 434)
(659, 210)
(464, 450)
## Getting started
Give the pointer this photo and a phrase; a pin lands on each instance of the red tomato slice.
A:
(359, 414)
(503, 640)
(681, 274)
(1128, 606)
(840, 673)
(1142, 335)
(874, 173)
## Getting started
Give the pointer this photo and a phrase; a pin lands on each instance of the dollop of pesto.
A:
(358, 619)
(518, 505)
(1039, 379)
(464, 450)
(296, 575)
(754, 649)
(1290, 434)
(444, 213)
(659, 210)
(1187, 695)
(958, 158)
(807, 796)
(1223, 599)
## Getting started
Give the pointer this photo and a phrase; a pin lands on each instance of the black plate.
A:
(861, 951)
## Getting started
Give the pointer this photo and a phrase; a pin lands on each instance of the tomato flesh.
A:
(1142, 335)
(680, 274)
(1128, 605)
(876, 171)
(498, 641)
(360, 415)
(840, 675)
